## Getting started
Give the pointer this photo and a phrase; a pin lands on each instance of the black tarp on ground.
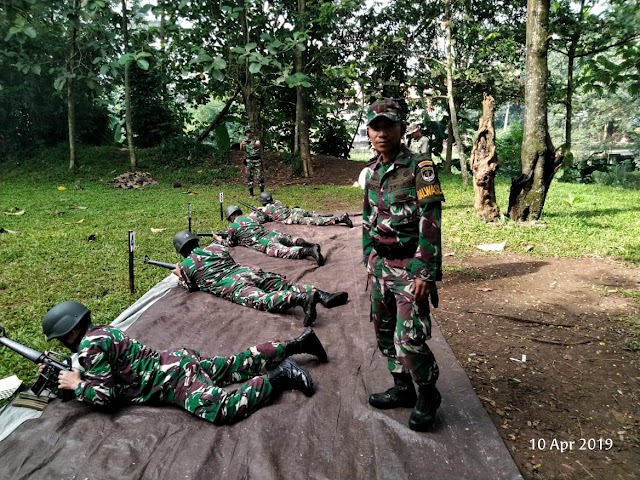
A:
(333, 435)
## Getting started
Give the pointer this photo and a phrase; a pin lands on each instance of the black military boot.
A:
(313, 252)
(307, 301)
(330, 300)
(424, 413)
(301, 242)
(261, 188)
(309, 343)
(290, 376)
(344, 218)
(402, 394)
(251, 192)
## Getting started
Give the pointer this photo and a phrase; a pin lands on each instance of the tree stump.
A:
(484, 164)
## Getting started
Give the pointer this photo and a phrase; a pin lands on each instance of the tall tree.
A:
(127, 88)
(74, 19)
(538, 158)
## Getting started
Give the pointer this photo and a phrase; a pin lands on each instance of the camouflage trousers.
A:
(195, 383)
(302, 217)
(254, 288)
(277, 244)
(255, 172)
(402, 326)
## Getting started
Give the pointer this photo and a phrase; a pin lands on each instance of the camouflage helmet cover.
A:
(63, 318)
(265, 198)
(182, 238)
(385, 107)
(230, 210)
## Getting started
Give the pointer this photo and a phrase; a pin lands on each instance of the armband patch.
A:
(428, 187)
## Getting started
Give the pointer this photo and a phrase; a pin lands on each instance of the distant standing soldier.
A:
(402, 251)
(418, 143)
(118, 370)
(252, 160)
(276, 211)
(212, 269)
(248, 231)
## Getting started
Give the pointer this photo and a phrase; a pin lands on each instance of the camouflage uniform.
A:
(118, 369)
(253, 161)
(401, 241)
(212, 269)
(247, 231)
(278, 212)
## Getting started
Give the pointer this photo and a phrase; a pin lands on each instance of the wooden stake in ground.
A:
(484, 164)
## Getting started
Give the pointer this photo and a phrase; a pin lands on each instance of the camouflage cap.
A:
(385, 107)
(414, 127)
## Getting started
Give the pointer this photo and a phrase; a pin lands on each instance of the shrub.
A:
(509, 147)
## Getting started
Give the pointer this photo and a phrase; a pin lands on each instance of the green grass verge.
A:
(50, 260)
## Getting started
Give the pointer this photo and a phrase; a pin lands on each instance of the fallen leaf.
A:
(527, 248)
(6, 230)
(157, 230)
(484, 289)
(74, 223)
(62, 187)
(450, 254)
(15, 211)
(492, 247)
(77, 207)
(59, 212)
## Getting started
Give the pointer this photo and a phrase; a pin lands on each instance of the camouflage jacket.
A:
(117, 368)
(277, 211)
(206, 266)
(402, 208)
(244, 230)
(252, 148)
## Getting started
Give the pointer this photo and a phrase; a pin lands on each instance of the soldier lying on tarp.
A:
(248, 231)
(117, 369)
(212, 269)
(276, 211)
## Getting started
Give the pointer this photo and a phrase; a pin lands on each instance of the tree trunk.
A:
(71, 104)
(505, 125)
(539, 162)
(448, 160)
(453, 115)
(251, 101)
(484, 164)
(302, 111)
(127, 90)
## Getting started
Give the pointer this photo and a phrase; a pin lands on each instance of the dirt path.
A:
(549, 345)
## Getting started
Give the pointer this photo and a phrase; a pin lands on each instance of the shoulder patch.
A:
(428, 187)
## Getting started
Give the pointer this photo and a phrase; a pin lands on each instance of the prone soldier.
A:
(276, 211)
(117, 369)
(212, 269)
(248, 231)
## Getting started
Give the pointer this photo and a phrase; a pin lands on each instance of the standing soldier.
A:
(212, 269)
(401, 246)
(252, 160)
(117, 369)
(276, 211)
(248, 231)
(418, 143)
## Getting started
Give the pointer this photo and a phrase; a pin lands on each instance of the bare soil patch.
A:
(571, 409)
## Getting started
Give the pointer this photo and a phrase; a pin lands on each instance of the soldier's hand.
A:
(176, 271)
(69, 379)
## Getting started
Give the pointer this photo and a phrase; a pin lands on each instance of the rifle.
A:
(257, 210)
(147, 260)
(53, 362)
(209, 234)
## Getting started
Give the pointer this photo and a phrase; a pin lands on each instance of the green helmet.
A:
(231, 209)
(63, 318)
(184, 239)
(265, 198)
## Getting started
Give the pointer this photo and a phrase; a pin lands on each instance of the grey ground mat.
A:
(333, 435)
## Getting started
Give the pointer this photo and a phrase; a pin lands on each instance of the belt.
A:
(395, 251)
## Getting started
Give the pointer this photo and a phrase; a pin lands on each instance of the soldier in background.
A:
(212, 269)
(276, 211)
(252, 160)
(402, 252)
(248, 231)
(418, 143)
(118, 370)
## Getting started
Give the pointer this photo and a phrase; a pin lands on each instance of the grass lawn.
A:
(50, 259)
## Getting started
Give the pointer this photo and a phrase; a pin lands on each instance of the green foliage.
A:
(332, 137)
(295, 162)
(618, 176)
(509, 148)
